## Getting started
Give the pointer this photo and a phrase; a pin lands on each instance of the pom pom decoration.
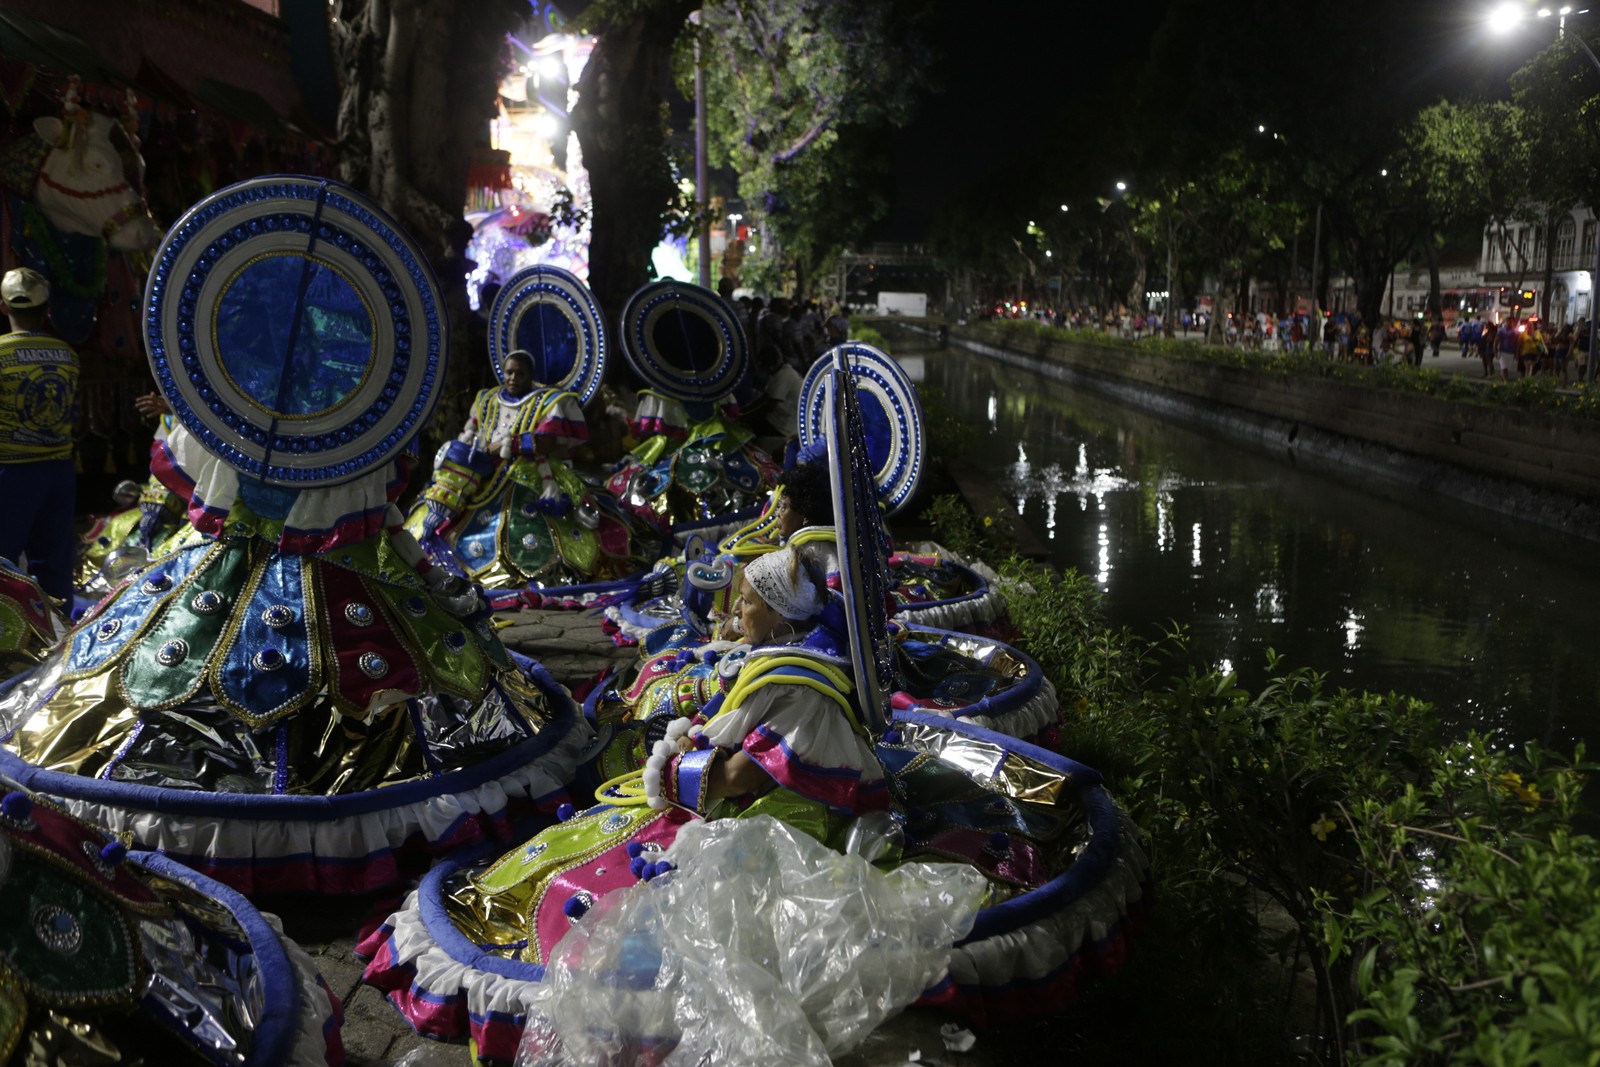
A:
(17, 809)
(891, 737)
(113, 853)
(638, 866)
(565, 812)
(635, 850)
(575, 907)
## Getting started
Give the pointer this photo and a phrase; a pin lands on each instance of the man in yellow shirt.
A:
(38, 386)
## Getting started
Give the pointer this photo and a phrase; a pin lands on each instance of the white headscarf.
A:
(780, 580)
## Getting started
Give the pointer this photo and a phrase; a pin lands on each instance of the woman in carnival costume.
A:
(795, 725)
(111, 956)
(695, 467)
(292, 698)
(505, 508)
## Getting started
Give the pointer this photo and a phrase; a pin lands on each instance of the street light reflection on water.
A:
(1486, 618)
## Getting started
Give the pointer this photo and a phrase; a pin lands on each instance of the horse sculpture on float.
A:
(71, 197)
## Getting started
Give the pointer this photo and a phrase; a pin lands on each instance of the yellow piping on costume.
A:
(755, 675)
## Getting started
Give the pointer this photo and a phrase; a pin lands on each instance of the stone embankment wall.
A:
(1527, 465)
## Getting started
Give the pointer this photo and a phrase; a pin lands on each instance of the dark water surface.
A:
(1491, 620)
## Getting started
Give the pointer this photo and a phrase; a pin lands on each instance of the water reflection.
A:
(1487, 618)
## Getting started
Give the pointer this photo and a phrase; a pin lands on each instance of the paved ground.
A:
(571, 645)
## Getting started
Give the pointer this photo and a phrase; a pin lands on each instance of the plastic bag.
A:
(763, 946)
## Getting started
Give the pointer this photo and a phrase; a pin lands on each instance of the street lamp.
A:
(1503, 19)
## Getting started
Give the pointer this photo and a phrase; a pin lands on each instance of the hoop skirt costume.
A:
(505, 508)
(694, 466)
(292, 698)
(107, 956)
(1063, 877)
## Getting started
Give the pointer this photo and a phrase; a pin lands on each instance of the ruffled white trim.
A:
(670, 412)
(315, 510)
(1038, 713)
(1038, 949)
(1031, 952)
(215, 482)
(440, 975)
(271, 837)
(982, 607)
(311, 1042)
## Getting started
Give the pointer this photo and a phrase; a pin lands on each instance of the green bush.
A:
(1336, 881)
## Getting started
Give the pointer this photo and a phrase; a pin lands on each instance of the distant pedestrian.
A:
(1436, 336)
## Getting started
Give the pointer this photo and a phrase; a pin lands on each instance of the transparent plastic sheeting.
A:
(763, 946)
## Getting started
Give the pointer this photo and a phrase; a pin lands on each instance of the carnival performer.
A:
(505, 508)
(781, 738)
(695, 461)
(293, 697)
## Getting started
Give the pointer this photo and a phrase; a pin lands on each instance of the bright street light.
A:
(1504, 17)
(1063, 207)
(1122, 187)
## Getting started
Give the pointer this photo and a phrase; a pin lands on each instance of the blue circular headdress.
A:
(684, 341)
(549, 313)
(296, 331)
(891, 417)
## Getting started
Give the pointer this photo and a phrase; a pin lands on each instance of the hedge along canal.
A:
(1198, 512)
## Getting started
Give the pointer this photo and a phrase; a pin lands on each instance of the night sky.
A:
(1008, 71)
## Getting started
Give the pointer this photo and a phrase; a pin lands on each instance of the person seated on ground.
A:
(505, 507)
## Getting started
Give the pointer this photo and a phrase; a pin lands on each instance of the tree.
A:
(1469, 167)
(1558, 93)
(621, 122)
(419, 84)
(795, 89)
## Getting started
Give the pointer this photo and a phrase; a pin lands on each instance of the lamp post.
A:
(1502, 20)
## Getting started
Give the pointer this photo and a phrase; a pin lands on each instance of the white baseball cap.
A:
(24, 288)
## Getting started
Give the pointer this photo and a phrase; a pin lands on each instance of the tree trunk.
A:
(419, 86)
(1549, 264)
(620, 122)
(1435, 290)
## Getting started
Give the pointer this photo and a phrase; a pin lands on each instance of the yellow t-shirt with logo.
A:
(38, 385)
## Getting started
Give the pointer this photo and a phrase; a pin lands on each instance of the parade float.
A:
(292, 698)
(591, 938)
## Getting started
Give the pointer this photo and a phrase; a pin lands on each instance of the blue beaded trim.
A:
(168, 353)
(901, 470)
(678, 382)
(545, 284)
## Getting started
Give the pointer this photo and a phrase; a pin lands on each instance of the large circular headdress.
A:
(891, 417)
(296, 331)
(549, 313)
(684, 341)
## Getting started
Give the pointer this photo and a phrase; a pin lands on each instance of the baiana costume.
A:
(694, 466)
(505, 507)
(1062, 878)
(292, 697)
(111, 956)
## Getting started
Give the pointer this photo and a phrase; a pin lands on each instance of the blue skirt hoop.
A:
(684, 341)
(891, 417)
(296, 331)
(549, 313)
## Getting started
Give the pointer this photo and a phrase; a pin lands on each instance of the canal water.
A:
(1491, 620)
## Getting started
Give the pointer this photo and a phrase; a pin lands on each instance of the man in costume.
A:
(38, 383)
